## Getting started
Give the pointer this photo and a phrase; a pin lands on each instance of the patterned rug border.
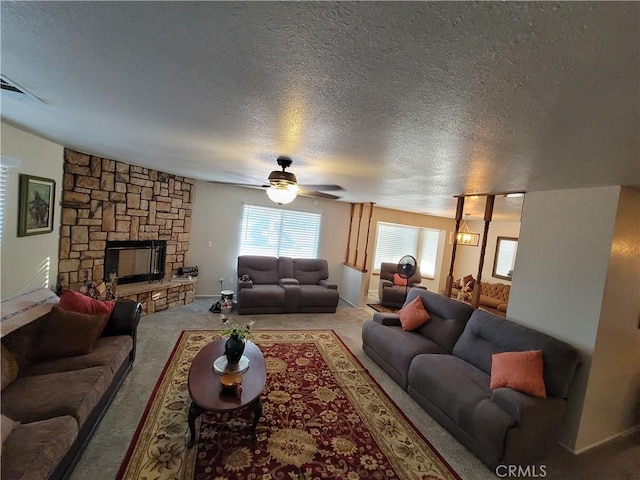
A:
(152, 397)
(382, 309)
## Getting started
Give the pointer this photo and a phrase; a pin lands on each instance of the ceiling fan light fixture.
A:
(282, 193)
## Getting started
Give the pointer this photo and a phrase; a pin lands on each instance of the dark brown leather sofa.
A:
(59, 402)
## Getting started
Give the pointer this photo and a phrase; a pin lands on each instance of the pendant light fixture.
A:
(465, 236)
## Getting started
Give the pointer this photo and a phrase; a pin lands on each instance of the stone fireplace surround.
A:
(104, 199)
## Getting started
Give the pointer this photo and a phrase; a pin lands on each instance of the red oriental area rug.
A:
(324, 417)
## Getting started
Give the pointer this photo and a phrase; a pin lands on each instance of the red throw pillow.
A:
(413, 315)
(521, 371)
(398, 280)
(77, 302)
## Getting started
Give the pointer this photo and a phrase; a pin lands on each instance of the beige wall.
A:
(418, 220)
(612, 402)
(217, 218)
(559, 279)
(28, 262)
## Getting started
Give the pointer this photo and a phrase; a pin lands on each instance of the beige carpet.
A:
(323, 416)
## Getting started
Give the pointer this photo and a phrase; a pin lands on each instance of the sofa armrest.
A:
(522, 406)
(245, 284)
(328, 284)
(417, 285)
(388, 319)
(385, 284)
(288, 281)
(124, 320)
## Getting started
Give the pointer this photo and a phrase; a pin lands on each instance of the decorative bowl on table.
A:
(231, 380)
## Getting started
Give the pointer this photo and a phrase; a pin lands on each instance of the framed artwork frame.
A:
(36, 205)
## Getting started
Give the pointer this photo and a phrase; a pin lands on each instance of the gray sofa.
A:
(391, 295)
(60, 401)
(445, 366)
(285, 285)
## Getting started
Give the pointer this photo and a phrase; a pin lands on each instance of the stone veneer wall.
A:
(105, 199)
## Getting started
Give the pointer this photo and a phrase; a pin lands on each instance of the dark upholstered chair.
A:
(394, 295)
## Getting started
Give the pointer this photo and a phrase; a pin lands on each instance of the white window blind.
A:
(4, 174)
(279, 233)
(429, 252)
(395, 241)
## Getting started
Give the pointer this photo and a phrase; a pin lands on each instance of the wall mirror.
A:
(505, 259)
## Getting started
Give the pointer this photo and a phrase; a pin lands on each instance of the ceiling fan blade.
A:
(321, 188)
(328, 196)
(245, 185)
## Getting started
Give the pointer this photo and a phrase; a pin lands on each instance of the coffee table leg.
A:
(194, 412)
(257, 413)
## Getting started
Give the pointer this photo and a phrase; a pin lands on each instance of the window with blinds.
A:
(395, 241)
(4, 174)
(279, 233)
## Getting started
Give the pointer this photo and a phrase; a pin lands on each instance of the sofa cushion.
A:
(316, 295)
(261, 270)
(77, 302)
(262, 296)
(521, 371)
(110, 352)
(6, 427)
(35, 449)
(462, 393)
(68, 333)
(395, 347)
(448, 317)
(9, 366)
(23, 342)
(413, 315)
(38, 397)
(309, 271)
(486, 334)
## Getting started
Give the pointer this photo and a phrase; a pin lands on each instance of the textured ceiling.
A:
(402, 104)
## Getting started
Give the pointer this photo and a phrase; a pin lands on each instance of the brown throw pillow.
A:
(9, 367)
(69, 333)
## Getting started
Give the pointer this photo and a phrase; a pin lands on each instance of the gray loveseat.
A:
(446, 368)
(285, 285)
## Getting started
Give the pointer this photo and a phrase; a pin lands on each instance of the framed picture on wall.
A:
(36, 205)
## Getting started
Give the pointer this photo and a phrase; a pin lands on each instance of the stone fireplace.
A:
(105, 200)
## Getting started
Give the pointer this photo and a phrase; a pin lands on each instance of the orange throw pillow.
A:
(398, 280)
(413, 315)
(521, 371)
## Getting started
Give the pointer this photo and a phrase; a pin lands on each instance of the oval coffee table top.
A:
(204, 384)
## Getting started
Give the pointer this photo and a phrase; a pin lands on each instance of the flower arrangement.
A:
(228, 327)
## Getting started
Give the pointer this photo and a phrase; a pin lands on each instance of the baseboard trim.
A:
(625, 433)
(347, 301)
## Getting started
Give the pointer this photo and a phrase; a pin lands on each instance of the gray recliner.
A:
(285, 285)
(391, 295)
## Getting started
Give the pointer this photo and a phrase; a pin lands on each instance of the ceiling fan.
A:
(283, 186)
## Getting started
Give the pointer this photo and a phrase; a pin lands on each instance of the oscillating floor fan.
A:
(406, 268)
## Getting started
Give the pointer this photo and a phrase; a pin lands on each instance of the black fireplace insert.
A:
(135, 260)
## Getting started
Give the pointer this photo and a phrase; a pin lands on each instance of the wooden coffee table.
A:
(206, 391)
